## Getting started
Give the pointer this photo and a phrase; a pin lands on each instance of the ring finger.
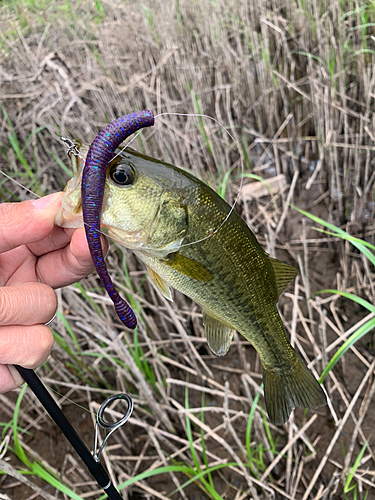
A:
(27, 304)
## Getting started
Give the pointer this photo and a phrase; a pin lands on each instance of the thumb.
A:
(28, 221)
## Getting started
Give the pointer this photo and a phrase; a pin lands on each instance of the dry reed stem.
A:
(242, 62)
(8, 469)
(287, 446)
(338, 431)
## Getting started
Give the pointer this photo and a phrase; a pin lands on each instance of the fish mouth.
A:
(133, 240)
(70, 212)
(67, 219)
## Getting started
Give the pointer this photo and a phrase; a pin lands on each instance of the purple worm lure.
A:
(101, 152)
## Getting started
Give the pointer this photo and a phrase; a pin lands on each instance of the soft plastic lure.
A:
(101, 152)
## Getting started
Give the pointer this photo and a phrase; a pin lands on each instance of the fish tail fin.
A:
(288, 388)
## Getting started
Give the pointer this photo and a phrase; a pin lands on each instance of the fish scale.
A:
(173, 222)
(231, 293)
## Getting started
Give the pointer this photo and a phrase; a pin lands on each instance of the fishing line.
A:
(65, 398)
(19, 184)
(91, 461)
(72, 149)
(199, 115)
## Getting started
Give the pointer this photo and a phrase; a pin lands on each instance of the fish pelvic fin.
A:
(284, 274)
(286, 388)
(218, 335)
(160, 284)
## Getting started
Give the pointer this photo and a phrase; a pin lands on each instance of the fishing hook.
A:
(71, 147)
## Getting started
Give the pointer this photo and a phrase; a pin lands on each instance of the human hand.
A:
(35, 257)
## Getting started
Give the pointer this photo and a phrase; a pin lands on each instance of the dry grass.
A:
(294, 82)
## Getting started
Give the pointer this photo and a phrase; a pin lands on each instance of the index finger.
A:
(27, 222)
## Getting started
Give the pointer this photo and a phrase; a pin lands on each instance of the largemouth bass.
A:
(170, 220)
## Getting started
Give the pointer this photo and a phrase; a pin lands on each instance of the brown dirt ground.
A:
(72, 79)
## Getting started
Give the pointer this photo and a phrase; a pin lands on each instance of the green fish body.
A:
(189, 239)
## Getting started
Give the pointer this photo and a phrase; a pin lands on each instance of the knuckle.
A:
(31, 303)
(6, 306)
(47, 299)
(13, 223)
(41, 347)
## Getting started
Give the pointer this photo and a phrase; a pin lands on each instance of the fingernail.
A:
(16, 375)
(46, 201)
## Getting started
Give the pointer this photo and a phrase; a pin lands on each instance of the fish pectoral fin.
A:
(188, 267)
(160, 284)
(162, 253)
(284, 274)
(218, 335)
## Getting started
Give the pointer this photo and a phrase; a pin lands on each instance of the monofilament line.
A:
(199, 115)
(18, 183)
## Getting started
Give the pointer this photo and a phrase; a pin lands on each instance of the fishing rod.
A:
(92, 462)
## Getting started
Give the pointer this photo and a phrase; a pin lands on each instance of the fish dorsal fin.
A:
(284, 274)
(189, 267)
(218, 335)
(160, 284)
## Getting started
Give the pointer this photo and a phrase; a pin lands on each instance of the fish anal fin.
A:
(160, 284)
(284, 273)
(218, 335)
(289, 388)
(188, 267)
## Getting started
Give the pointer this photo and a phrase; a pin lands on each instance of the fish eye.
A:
(122, 174)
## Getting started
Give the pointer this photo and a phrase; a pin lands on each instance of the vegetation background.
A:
(293, 81)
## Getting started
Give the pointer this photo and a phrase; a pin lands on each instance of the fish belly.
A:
(287, 381)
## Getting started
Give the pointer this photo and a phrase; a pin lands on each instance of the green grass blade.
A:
(223, 184)
(358, 334)
(362, 302)
(189, 432)
(347, 487)
(150, 473)
(312, 56)
(17, 445)
(203, 473)
(35, 131)
(358, 243)
(249, 425)
(35, 467)
(39, 471)
(60, 163)
(69, 330)
(269, 434)
(201, 124)
(348, 237)
(203, 444)
(13, 141)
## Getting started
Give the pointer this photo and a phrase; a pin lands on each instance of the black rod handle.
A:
(95, 468)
